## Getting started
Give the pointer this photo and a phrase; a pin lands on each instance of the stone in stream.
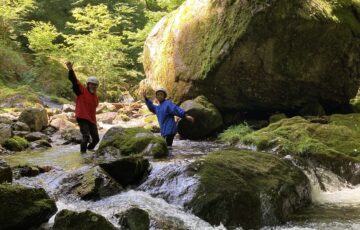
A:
(16, 143)
(70, 220)
(29, 170)
(34, 136)
(89, 183)
(71, 136)
(121, 153)
(5, 172)
(35, 118)
(134, 219)
(207, 119)
(247, 189)
(24, 208)
(258, 56)
(5, 132)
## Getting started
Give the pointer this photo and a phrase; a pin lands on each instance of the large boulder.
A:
(70, 220)
(35, 118)
(258, 55)
(248, 189)
(5, 132)
(207, 118)
(89, 183)
(24, 208)
(331, 143)
(5, 172)
(134, 219)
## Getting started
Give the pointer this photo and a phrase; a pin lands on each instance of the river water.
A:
(336, 208)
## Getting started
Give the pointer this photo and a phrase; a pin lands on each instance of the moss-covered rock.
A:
(335, 145)
(70, 220)
(5, 132)
(258, 55)
(24, 208)
(35, 118)
(89, 183)
(71, 135)
(5, 172)
(248, 189)
(276, 117)
(135, 219)
(133, 141)
(16, 143)
(207, 118)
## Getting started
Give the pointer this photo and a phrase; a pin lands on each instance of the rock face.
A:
(24, 208)
(258, 55)
(5, 172)
(207, 118)
(35, 118)
(70, 220)
(248, 189)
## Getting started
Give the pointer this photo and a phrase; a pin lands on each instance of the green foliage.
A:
(235, 133)
(16, 143)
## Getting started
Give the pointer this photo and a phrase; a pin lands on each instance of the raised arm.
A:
(177, 111)
(148, 102)
(72, 77)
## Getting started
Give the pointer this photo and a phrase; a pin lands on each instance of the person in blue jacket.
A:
(165, 112)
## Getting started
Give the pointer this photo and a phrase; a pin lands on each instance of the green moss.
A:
(235, 133)
(134, 141)
(16, 143)
(232, 184)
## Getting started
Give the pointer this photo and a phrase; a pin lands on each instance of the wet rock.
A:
(71, 136)
(134, 219)
(207, 119)
(132, 141)
(258, 55)
(5, 172)
(24, 208)
(37, 136)
(248, 189)
(20, 126)
(40, 144)
(89, 183)
(5, 132)
(16, 143)
(106, 118)
(68, 108)
(50, 130)
(277, 117)
(129, 170)
(35, 118)
(70, 220)
(62, 123)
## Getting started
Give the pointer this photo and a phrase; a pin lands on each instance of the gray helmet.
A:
(161, 90)
(92, 80)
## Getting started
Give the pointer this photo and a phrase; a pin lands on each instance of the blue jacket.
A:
(165, 113)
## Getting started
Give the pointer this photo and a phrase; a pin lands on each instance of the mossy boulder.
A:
(24, 208)
(207, 119)
(135, 219)
(70, 220)
(131, 141)
(5, 132)
(5, 172)
(89, 183)
(276, 117)
(255, 55)
(334, 145)
(16, 143)
(248, 189)
(35, 118)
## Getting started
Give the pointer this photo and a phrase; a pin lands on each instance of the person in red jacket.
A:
(85, 110)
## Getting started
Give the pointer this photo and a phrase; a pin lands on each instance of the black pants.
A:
(169, 139)
(88, 130)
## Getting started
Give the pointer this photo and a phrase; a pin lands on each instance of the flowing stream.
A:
(337, 208)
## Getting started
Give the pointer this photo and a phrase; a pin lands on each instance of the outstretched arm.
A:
(177, 111)
(72, 77)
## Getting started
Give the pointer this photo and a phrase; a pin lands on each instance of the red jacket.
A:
(86, 102)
